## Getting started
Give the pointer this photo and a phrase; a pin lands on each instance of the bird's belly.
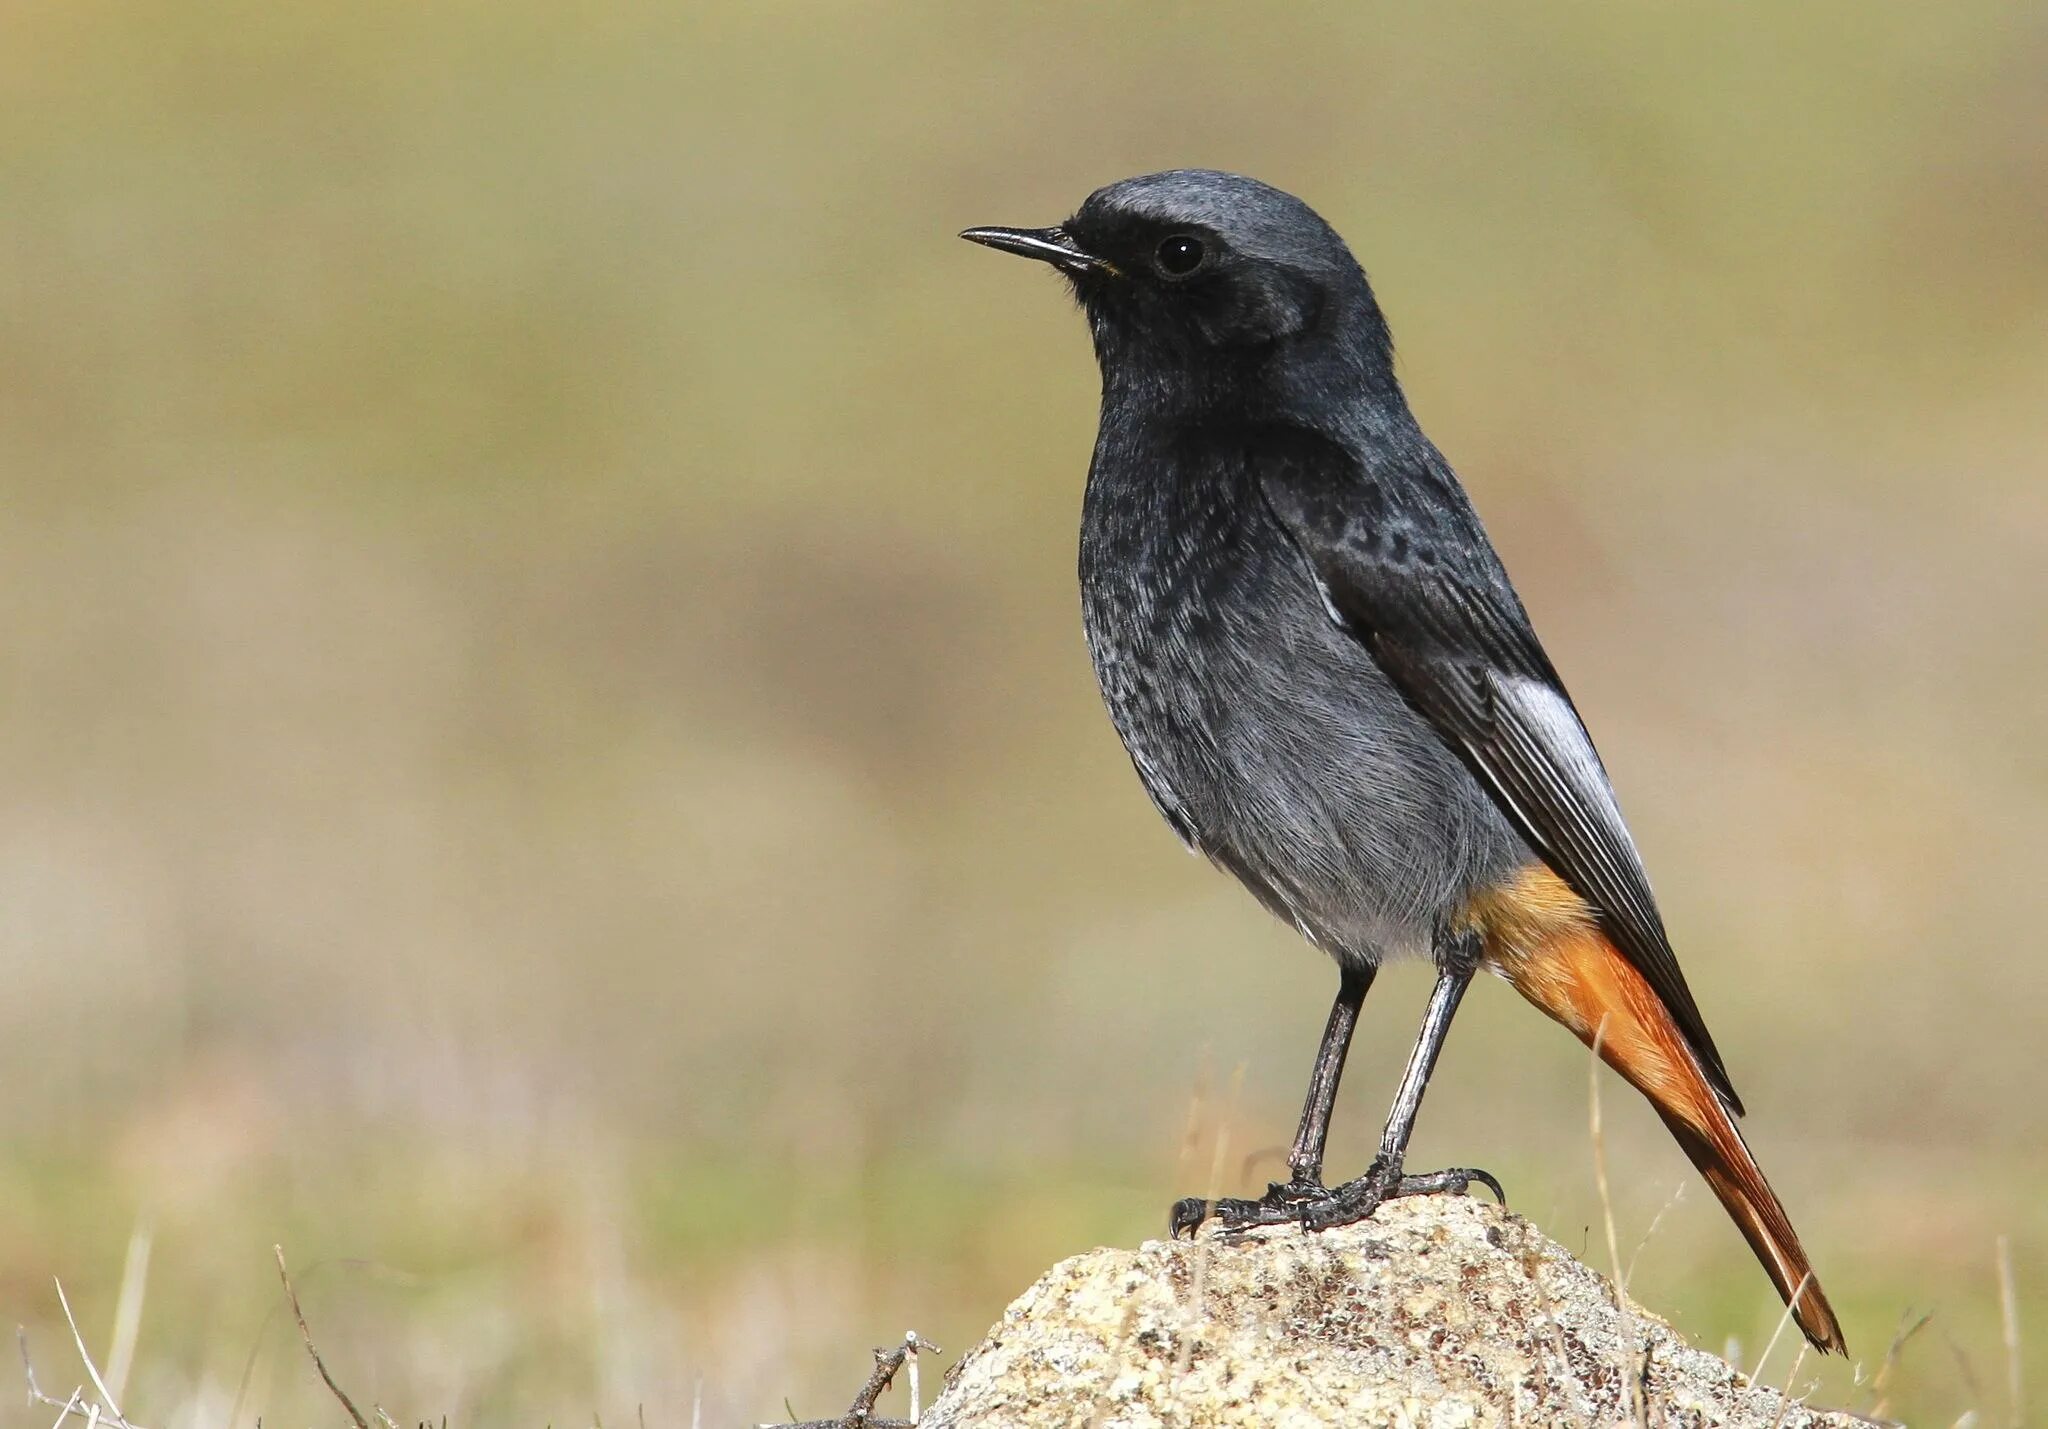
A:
(1276, 745)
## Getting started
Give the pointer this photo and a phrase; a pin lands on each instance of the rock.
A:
(1441, 1311)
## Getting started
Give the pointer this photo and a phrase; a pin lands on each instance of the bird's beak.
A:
(1047, 245)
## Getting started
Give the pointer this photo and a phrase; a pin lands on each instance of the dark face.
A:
(1191, 264)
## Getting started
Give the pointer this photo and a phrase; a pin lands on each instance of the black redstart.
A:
(1330, 688)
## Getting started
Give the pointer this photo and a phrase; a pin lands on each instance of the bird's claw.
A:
(1460, 1179)
(1386, 1181)
(1283, 1204)
(1315, 1207)
(1186, 1217)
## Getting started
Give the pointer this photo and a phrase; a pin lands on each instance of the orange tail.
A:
(1542, 937)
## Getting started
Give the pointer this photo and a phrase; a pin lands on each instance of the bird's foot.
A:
(1282, 1204)
(1386, 1181)
(1315, 1207)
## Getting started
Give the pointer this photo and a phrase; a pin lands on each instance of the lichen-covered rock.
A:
(1440, 1311)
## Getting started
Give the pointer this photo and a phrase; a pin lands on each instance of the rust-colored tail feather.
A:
(1543, 939)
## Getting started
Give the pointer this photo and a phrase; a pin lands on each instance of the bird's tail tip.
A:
(1560, 960)
(1724, 1160)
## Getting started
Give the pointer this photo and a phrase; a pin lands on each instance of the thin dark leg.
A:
(1315, 1208)
(1385, 1180)
(1305, 1161)
(1436, 1025)
(1304, 1181)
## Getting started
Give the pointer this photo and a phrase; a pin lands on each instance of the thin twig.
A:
(67, 1408)
(887, 1362)
(860, 1415)
(307, 1335)
(27, 1367)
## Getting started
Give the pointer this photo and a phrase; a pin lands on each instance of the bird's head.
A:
(1203, 271)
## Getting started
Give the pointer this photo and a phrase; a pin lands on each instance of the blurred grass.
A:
(548, 763)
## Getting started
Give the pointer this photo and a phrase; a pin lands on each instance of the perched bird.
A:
(1329, 686)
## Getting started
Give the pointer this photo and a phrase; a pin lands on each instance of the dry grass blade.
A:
(1966, 1369)
(1677, 1195)
(2009, 1321)
(74, 1407)
(1785, 1395)
(1783, 1320)
(307, 1335)
(128, 1308)
(1908, 1328)
(1199, 1253)
(68, 1407)
(1198, 1105)
(113, 1406)
(1638, 1410)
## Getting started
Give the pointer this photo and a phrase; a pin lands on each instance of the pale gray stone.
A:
(1440, 1312)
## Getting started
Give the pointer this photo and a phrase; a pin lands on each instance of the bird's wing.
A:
(1409, 572)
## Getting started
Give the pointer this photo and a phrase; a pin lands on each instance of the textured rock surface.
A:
(1440, 1311)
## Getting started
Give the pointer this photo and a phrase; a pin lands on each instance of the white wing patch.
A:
(1549, 716)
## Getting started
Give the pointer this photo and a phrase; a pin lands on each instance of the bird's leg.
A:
(1314, 1207)
(1304, 1184)
(1386, 1178)
(1305, 1160)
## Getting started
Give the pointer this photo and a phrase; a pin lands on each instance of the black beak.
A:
(1047, 245)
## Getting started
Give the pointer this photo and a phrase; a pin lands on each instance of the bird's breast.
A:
(1267, 736)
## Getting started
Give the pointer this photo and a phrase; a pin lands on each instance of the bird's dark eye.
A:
(1180, 255)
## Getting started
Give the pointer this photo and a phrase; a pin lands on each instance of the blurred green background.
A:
(546, 760)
